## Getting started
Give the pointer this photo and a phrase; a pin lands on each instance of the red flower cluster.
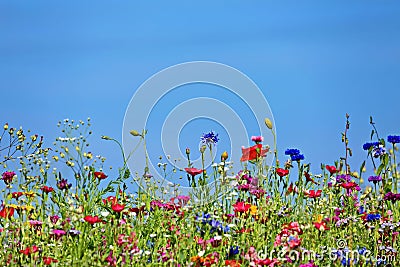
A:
(313, 193)
(92, 219)
(331, 169)
(49, 260)
(100, 175)
(282, 172)
(241, 207)
(47, 189)
(7, 212)
(29, 250)
(253, 153)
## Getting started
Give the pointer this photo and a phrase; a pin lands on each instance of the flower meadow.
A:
(279, 215)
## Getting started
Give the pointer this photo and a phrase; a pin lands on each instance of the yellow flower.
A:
(318, 218)
(253, 210)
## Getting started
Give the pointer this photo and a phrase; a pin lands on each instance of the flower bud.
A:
(187, 151)
(202, 148)
(268, 123)
(135, 133)
(5, 127)
(224, 156)
(105, 137)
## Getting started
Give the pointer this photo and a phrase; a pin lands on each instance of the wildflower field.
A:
(279, 215)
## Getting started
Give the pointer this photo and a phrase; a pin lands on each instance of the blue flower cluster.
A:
(373, 217)
(294, 154)
(367, 146)
(215, 224)
(233, 250)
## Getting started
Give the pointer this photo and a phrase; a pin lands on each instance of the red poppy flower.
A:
(117, 207)
(266, 262)
(291, 189)
(193, 171)
(47, 189)
(241, 207)
(252, 153)
(16, 195)
(313, 194)
(7, 212)
(233, 263)
(110, 199)
(331, 169)
(92, 219)
(282, 172)
(348, 185)
(309, 179)
(321, 226)
(100, 175)
(29, 250)
(49, 260)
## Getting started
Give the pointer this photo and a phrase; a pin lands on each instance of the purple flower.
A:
(392, 197)
(54, 218)
(374, 179)
(7, 177)
(58, 232)
(63, 184)
(74, 232)
(343, 178)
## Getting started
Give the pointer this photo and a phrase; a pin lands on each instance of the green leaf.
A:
(380, 168)
(362, 167)
(372, 133)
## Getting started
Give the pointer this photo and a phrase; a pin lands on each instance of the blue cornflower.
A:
(292, 151)
(297, 157)
(374, 179)
(362, 250)
(373, 217)
(216, 224)
(205, 218)
(346, 262)
(367, 146)
(361, 210)
(209, 138)
(227, 229)
(149, 244)
(378, 151)
(233, 250)
(394, 139)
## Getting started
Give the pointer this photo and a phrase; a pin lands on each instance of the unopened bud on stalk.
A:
(5, 127)
(202, 148)
(187, 151)
(135, 133)
(224, 156)
(105, 137)
(268, 123)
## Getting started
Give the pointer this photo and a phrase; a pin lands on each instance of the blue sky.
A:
(314, 61)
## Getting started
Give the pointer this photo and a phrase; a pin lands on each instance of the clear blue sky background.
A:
(314, 61)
